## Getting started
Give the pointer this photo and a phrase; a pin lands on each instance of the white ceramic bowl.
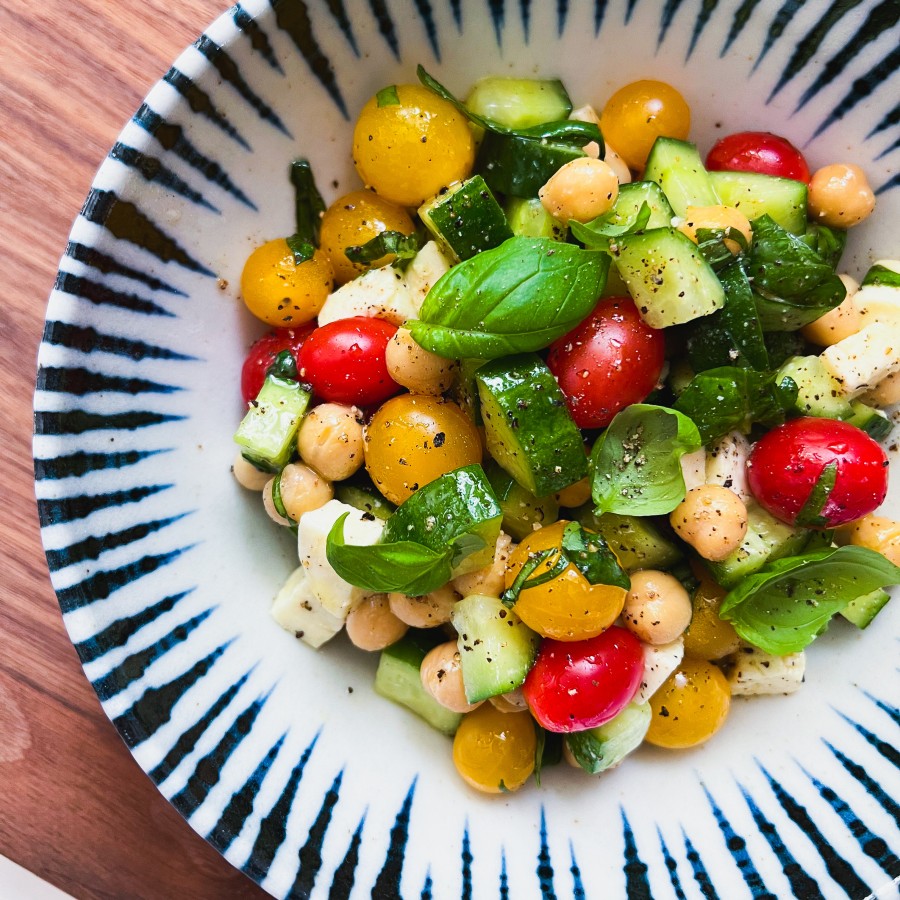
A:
(283, 757)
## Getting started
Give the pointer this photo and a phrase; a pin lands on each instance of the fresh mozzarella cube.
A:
(298, 610)
(428, 265)
(379, 293)
(864, 359)
(758, 672)
(726, 464)
(337, 596)
(659, 663)
(693, 469)
(878, 303)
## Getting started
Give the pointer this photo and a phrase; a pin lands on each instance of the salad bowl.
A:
(283, 757)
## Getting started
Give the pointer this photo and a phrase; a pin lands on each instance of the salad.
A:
(579, 430)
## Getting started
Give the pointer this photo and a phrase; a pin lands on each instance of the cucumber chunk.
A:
(397, 679)
(528, 217)
(601, 748)
(677, 168)
(522, 511)
(819, 392)
(527, 425)
(755, 195)
(863, 609)
(872, 421)
(519, 102)
(636, 193)
(636, 541)
(496, 649)
(466, 219)
(520, 167)
(884, 272)
(669, 279)
(360, 493)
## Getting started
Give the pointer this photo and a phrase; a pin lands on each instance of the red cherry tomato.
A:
(758, 151)
(262, 354)
(612, 359)
(344, 361)
(786, 463)
(575, 685)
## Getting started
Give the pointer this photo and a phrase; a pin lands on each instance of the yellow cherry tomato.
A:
(408, 150)
(413, 439)
(569, 607)
(494, 751)
(637, 114)
(352, 220)
(690, 707)
(279, 291)
(709, 636)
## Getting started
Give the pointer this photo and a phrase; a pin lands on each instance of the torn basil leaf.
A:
(403, 246)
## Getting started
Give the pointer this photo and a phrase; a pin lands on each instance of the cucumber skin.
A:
(519, 167)
(755, 194)
(599, 749)
(677, 168)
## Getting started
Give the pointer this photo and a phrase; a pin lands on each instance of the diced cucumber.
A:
(601, 748)
(466, 219)
(268, 432)
(872, 421)
(465, 389)
(636, 193)
(883, 272)
(528, 428)
(496, 649)
(528, 217)
(520, 167)
(767, 539)
(819, 392)
(397, 679)
(755, 195)
(677, 168)
(360, 493)
(636, 541)
(863, 609)
(519, 102)
(457, 509)
(522, 511)
(667, 276)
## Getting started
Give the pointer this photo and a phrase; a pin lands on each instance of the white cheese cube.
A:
(757, 672)
(659, 663)
(298, 610)
(726, 464)
(379, 293)
(693, 469)
(864, 359)
(878, 303)
(426, 268)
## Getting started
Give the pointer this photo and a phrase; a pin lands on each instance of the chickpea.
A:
(303, 489)
(441, 676)
(428, 611)
(330, 440)
(720, 218)
(582, 190)
(575, 494)
(837, 323)
(657, 609)
(247, 475)
(840, 196)
(587, 113)
(877, 533)
(712, 519)
(416, 368)
(512, 701)
(372, 626)
(490, 580)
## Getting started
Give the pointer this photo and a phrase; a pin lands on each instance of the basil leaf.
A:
(403, 566)
(301, 248)
(636, 462)
(388, 96)
(404, 246)
(811, 512)
(712, 246)
(516, 298)
(782, 608)
(527, 579)
(594, 234)
(284, 366)
(547, 751)
(828, 242)
(590, 554)
(308, 203)
(792, 284)
(728, 399)
(568, 131)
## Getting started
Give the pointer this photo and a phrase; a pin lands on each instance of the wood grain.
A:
(75, 807)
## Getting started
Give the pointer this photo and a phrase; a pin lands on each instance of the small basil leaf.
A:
(481, 307)
(284, 366)
(594, 234)
(636, 462)
(301, 248)
(526, 577)
(309, 204)
(277, 500)
(810, 514)
(404, 246)
(827, 242)
(786, 605)
(712, 246)
(404, 566)
(590, 554)
(388, 96)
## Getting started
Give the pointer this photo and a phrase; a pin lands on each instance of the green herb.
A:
(786, 605)
(302, 249)
(590, 554)
(712, 246)
(518, 297)
(277, 500)
(827, 242)
(284, 366)
(388, 96)
(404, 246)
(636, 462)
(596, 233)
(811, 513)
(308, 203)
(733, 399)
(403, 566)
(567, 131)
(547, 751)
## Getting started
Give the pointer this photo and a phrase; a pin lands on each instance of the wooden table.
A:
(74, 806)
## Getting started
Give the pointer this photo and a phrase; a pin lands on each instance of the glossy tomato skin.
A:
(758, 151)
(344, 361)
(575, 685)
(263, 352)
(786, 463)
(611, 360)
